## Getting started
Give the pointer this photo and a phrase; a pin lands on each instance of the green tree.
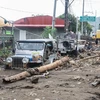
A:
(72, 24)
(48, 30)
(71, 20)
(87, 28)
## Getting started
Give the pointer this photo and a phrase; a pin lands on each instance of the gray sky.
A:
(16, 9)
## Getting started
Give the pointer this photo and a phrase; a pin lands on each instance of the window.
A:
(30, 46)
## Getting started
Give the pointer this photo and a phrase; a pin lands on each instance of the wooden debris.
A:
(16, 77)
(32, 71)
(53, 65)
(72, 62)
(34, 79)
(89, 57)
(96, 52)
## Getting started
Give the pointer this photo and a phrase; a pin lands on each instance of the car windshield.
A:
(30, 46)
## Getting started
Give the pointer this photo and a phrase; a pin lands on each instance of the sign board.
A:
(87, 18)
(9, 33)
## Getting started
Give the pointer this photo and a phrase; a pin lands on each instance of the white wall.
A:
(22, 35)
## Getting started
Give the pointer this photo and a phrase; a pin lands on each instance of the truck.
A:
(96, 35)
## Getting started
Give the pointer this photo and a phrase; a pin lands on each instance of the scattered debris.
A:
(32, 71)
(71, 79)
(86, 58)
(96, 82)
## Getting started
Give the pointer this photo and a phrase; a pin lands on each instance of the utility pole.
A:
(66, 15)
(54, 14)
(77, 25)
(83, 17)
(12, 34)
(95, 21)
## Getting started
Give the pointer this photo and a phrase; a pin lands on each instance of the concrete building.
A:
(33, 26)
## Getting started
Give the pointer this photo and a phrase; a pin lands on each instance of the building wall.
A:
(32, 33)
(16, 35)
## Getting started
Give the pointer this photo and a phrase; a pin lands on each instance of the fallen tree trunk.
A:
(96, 52)
(33, 71)
(16, 77)
(86, 58)
(53, 65)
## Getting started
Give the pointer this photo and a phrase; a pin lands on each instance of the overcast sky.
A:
(16, 9)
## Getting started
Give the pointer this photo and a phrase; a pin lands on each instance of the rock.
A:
(72, 86)
(95, 83)
(37, 99)
(54, 91)
(13, 91)
(79, 83)
(78, 78)
(46, 86)
(34, 80)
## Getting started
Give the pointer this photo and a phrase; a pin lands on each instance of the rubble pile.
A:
(68, 78)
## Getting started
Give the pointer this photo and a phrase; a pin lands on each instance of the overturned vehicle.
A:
(31, 51)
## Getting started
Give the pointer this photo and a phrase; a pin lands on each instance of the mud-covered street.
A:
(78, 81)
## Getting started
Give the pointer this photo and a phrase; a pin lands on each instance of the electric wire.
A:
(27, 32)
(62, 2)
(91, 5)
(15, 10)
(71, 3)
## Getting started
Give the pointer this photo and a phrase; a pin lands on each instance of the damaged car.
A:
(30, 51)
(67, 44)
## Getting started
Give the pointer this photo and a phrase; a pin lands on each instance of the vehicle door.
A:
(48, 49)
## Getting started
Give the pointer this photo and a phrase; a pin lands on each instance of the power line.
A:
(62, 2)
(71, 3)
(91, 6)
(16, 10)
(28, 32)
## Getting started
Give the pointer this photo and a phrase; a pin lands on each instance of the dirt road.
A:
(67, 83)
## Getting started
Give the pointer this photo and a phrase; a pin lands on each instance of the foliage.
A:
(62, 16)
(87, 28)
(5, 52)
(72, 24)
(48, 30)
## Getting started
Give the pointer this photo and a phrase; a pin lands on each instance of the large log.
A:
(33, 71)
(96, 52)
(53, 65)
(89, 57)
(16, 77)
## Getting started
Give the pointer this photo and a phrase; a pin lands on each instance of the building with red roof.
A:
(35, 25)
(39, 22)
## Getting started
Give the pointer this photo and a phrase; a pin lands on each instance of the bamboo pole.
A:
(33, 71)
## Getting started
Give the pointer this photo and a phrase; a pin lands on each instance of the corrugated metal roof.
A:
(38, 21)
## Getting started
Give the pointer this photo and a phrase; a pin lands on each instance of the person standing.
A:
(96, 41)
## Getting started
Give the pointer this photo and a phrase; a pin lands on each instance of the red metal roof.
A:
(38, 21)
